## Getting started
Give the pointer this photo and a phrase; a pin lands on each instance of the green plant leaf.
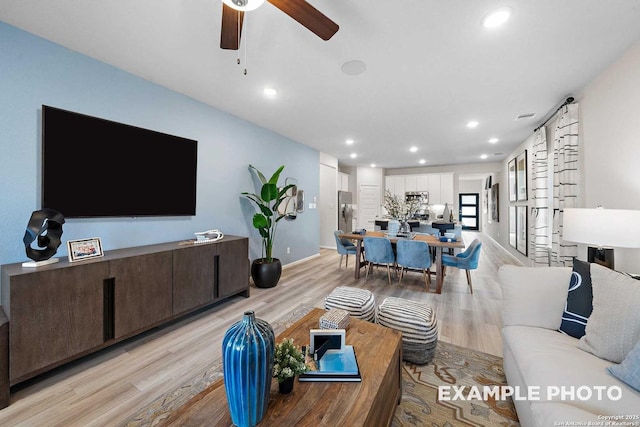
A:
(260, 221)
(269, 192)
(276, 176)
(260, 175)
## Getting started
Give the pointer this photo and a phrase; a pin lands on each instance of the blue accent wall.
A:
(34, 72)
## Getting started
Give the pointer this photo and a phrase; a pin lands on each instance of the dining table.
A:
(432, 241)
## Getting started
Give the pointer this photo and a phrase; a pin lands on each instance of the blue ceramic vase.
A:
(247, 358)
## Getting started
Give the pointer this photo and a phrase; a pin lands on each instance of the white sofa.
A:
(538, 357)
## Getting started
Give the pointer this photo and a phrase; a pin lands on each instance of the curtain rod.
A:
(568, 101)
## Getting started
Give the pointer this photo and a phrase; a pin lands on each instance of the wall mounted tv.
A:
(93, 167)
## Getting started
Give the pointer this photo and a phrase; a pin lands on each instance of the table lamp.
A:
(602, 230)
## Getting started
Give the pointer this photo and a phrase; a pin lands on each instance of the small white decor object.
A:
(84, 249)
(335, 319)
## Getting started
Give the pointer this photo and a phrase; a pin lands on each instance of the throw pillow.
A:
(614, 325)
(579, 300)
(628, 370)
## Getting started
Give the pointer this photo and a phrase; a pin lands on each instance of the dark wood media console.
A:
(60, 312)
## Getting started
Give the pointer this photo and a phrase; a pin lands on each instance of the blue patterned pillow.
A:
(628, 370)
(579, 300)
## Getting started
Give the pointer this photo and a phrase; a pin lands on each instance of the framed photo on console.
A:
(84, 249)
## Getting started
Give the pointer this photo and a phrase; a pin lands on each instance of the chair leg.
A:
(426, 277)
(401, 274)
(346, 262)
(340, 262)
(366, 277)
(469, 280)
(389, 274)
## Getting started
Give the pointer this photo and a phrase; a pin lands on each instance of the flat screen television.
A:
(92, 167)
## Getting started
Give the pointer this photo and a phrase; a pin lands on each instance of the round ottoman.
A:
(418, 324)
(359, 303)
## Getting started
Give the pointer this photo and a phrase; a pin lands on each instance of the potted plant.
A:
(399, 210)
(287, 363)
(266, 271)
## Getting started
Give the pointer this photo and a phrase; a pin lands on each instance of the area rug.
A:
(464, 369)
(452, 366)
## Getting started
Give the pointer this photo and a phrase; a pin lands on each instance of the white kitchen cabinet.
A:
(410, 183)
(435, 193)
(446, 189)
(422, 182)
(395, 184)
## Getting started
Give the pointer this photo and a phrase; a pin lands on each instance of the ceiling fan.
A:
(300, 10)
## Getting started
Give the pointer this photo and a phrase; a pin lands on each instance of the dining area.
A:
(414, 251)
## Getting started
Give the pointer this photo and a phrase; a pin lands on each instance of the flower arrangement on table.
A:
(288, 361)
(399, 209)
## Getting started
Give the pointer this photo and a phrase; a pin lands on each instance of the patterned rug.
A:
(452, 366)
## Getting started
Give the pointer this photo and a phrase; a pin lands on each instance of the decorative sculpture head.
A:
(46, 226)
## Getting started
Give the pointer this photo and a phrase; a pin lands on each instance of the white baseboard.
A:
(301, 260)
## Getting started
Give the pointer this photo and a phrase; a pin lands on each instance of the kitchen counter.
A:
(424, 227)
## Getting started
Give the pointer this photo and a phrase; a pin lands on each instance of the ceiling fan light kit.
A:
(301, 11)
(244, 5)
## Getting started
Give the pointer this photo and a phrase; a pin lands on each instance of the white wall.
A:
(610, 117)
(472, 186)
(328, 200)
(610, 144)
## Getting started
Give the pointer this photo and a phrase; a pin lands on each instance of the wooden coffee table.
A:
(371, 402)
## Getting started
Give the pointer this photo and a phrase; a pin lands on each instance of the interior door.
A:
(469, 212)
(368, 205)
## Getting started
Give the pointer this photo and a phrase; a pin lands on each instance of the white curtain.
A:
(565, 182)
(540, 225)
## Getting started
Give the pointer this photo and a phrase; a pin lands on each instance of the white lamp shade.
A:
(243, 5)
(613, 228)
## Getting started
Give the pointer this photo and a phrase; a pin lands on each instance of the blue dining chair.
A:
(344, 247)
(378, 250)
(467, 260)
(414, 255)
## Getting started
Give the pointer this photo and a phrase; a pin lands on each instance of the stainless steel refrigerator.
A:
(345, 211)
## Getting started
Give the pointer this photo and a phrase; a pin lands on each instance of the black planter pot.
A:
(266, 274)
(286, 386)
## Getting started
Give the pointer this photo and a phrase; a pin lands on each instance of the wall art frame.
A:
(521, 176)
(495, 202)
(522, 234)
(512, 226)
(79, 250)
(513, 189)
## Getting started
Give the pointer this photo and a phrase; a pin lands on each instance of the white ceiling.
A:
(430, 66)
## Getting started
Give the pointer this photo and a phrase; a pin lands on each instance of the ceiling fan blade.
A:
(308, 16)
(231, 27)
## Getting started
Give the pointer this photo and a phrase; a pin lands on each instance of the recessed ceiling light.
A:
(349, 141)
(269, 92)
(353, 155)
(496, 17)
(472, 124)
(413, 149)
(422, 161)
(373, 165)
(483, 156)
(493, 140)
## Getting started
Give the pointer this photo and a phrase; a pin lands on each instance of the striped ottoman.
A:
(418, 324)
(359, 303)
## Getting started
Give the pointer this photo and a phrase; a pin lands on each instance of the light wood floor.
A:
(107, 388)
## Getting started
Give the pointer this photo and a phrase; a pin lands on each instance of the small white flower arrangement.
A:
(399, 209)
(288, 361)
